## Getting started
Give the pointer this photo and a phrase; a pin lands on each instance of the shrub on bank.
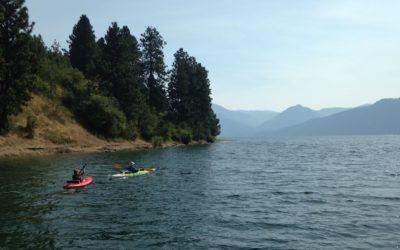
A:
(31, 125)
(102, 116)
(157, 141)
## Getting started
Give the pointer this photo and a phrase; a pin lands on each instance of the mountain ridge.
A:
(289, 117)
(239, 123)
(382, 117)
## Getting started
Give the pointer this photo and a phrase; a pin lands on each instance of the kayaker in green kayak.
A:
(131, 168)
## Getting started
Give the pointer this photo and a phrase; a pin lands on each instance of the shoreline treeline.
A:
(117, 86)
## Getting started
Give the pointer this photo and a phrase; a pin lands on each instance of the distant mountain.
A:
(240, 123)
(231, 128)
(383, 117)
(290, 117)
(247, 117)
(330, 111)
(258, 117)
(232, 124)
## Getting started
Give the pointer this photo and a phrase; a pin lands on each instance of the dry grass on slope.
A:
(57, 132)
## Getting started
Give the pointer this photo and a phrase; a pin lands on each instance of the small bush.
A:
(186, 137)
(182, 135)
(210, 139)
(42, 86)
(31, 125)
(157, 141)
(148, 124)
(165, 130)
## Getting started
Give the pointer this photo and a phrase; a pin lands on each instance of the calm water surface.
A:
(281, 193)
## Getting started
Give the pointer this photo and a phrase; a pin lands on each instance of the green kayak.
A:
(140, 172)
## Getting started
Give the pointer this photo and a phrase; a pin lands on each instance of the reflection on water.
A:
(282, 193)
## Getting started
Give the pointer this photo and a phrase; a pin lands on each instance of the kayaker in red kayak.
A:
(78, 173)
(77, 180)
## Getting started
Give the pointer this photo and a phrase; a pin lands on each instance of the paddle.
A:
(83, 168)
(150, 169)
(117, 165)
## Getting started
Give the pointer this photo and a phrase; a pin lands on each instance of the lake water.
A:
(277, 193)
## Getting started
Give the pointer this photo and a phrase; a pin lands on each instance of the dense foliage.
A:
(116, 86)
(16, 59)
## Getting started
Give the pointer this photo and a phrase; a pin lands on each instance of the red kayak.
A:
(83, 183)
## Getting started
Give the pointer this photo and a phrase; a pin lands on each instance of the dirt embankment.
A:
(14, 146)
(57, 132)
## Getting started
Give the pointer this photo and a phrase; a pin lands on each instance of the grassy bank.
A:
(46, 127)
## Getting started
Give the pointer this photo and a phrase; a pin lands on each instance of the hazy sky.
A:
(261, 54)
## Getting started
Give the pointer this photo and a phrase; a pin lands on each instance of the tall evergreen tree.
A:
(154, 68)
(203, 120)
(120, 70)
(16, 60)
(179, 86)
(82, 46)
(190, 101)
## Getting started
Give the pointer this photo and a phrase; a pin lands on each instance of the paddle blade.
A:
(116, 165)
(150, 169)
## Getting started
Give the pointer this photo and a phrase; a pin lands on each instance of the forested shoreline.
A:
(117, 86)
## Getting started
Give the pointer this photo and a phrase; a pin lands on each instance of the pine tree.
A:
(178, 87)
(120, 70)
(16, 59)
(190, 101)
(82, 46)
(154, 69)
(203, 120)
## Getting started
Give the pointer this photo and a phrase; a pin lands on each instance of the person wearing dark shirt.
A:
(131, 168)
(78, 173)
